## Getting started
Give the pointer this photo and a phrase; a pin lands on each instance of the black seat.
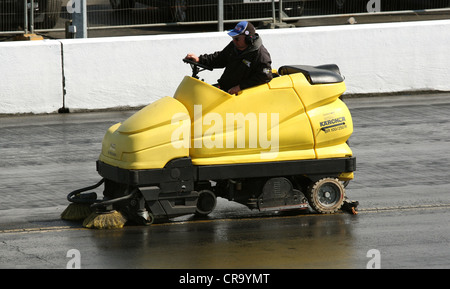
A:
(322, 74)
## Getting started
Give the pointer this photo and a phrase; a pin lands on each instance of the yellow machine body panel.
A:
(263, 123)
(331, 120)
(285, 119)
(144, 141)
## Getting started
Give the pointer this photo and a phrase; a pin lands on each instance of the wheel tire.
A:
(326, 196)
(206, 203)
(295, 8)
(51, 10)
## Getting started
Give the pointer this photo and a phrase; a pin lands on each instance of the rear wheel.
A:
(326, 196)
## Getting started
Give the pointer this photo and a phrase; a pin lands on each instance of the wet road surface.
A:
(402, 145)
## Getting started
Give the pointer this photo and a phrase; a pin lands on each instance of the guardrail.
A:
(24, 16)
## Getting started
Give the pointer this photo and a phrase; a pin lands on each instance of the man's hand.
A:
(193, 57)
(234, 90)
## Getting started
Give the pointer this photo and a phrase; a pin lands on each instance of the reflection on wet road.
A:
(402, 148)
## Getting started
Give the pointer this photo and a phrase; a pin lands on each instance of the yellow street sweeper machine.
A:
(277, 146)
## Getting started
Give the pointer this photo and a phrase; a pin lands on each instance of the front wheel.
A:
(326, 196)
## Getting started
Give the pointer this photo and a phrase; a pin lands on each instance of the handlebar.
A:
(195, 67)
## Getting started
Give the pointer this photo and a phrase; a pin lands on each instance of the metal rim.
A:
(326, 195)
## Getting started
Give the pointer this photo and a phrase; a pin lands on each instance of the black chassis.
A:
(174, 190)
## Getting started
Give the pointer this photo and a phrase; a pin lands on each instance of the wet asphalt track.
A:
(402, 145)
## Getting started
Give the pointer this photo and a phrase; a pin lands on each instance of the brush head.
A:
(105, 220)
(76, 212)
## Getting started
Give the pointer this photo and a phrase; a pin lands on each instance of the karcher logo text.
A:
(332, 121)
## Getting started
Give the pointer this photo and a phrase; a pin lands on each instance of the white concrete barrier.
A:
(133, 71)
(31, 80)
(129, 71)
(374, 58)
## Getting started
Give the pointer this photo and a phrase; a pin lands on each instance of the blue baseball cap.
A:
(242, 27)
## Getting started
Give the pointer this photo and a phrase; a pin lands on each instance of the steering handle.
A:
(192, 62)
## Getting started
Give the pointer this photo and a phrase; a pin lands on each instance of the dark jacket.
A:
(247, 68)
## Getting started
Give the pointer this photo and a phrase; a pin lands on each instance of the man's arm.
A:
(217, 59)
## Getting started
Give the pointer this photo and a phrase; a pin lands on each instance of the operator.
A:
(246, 61)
